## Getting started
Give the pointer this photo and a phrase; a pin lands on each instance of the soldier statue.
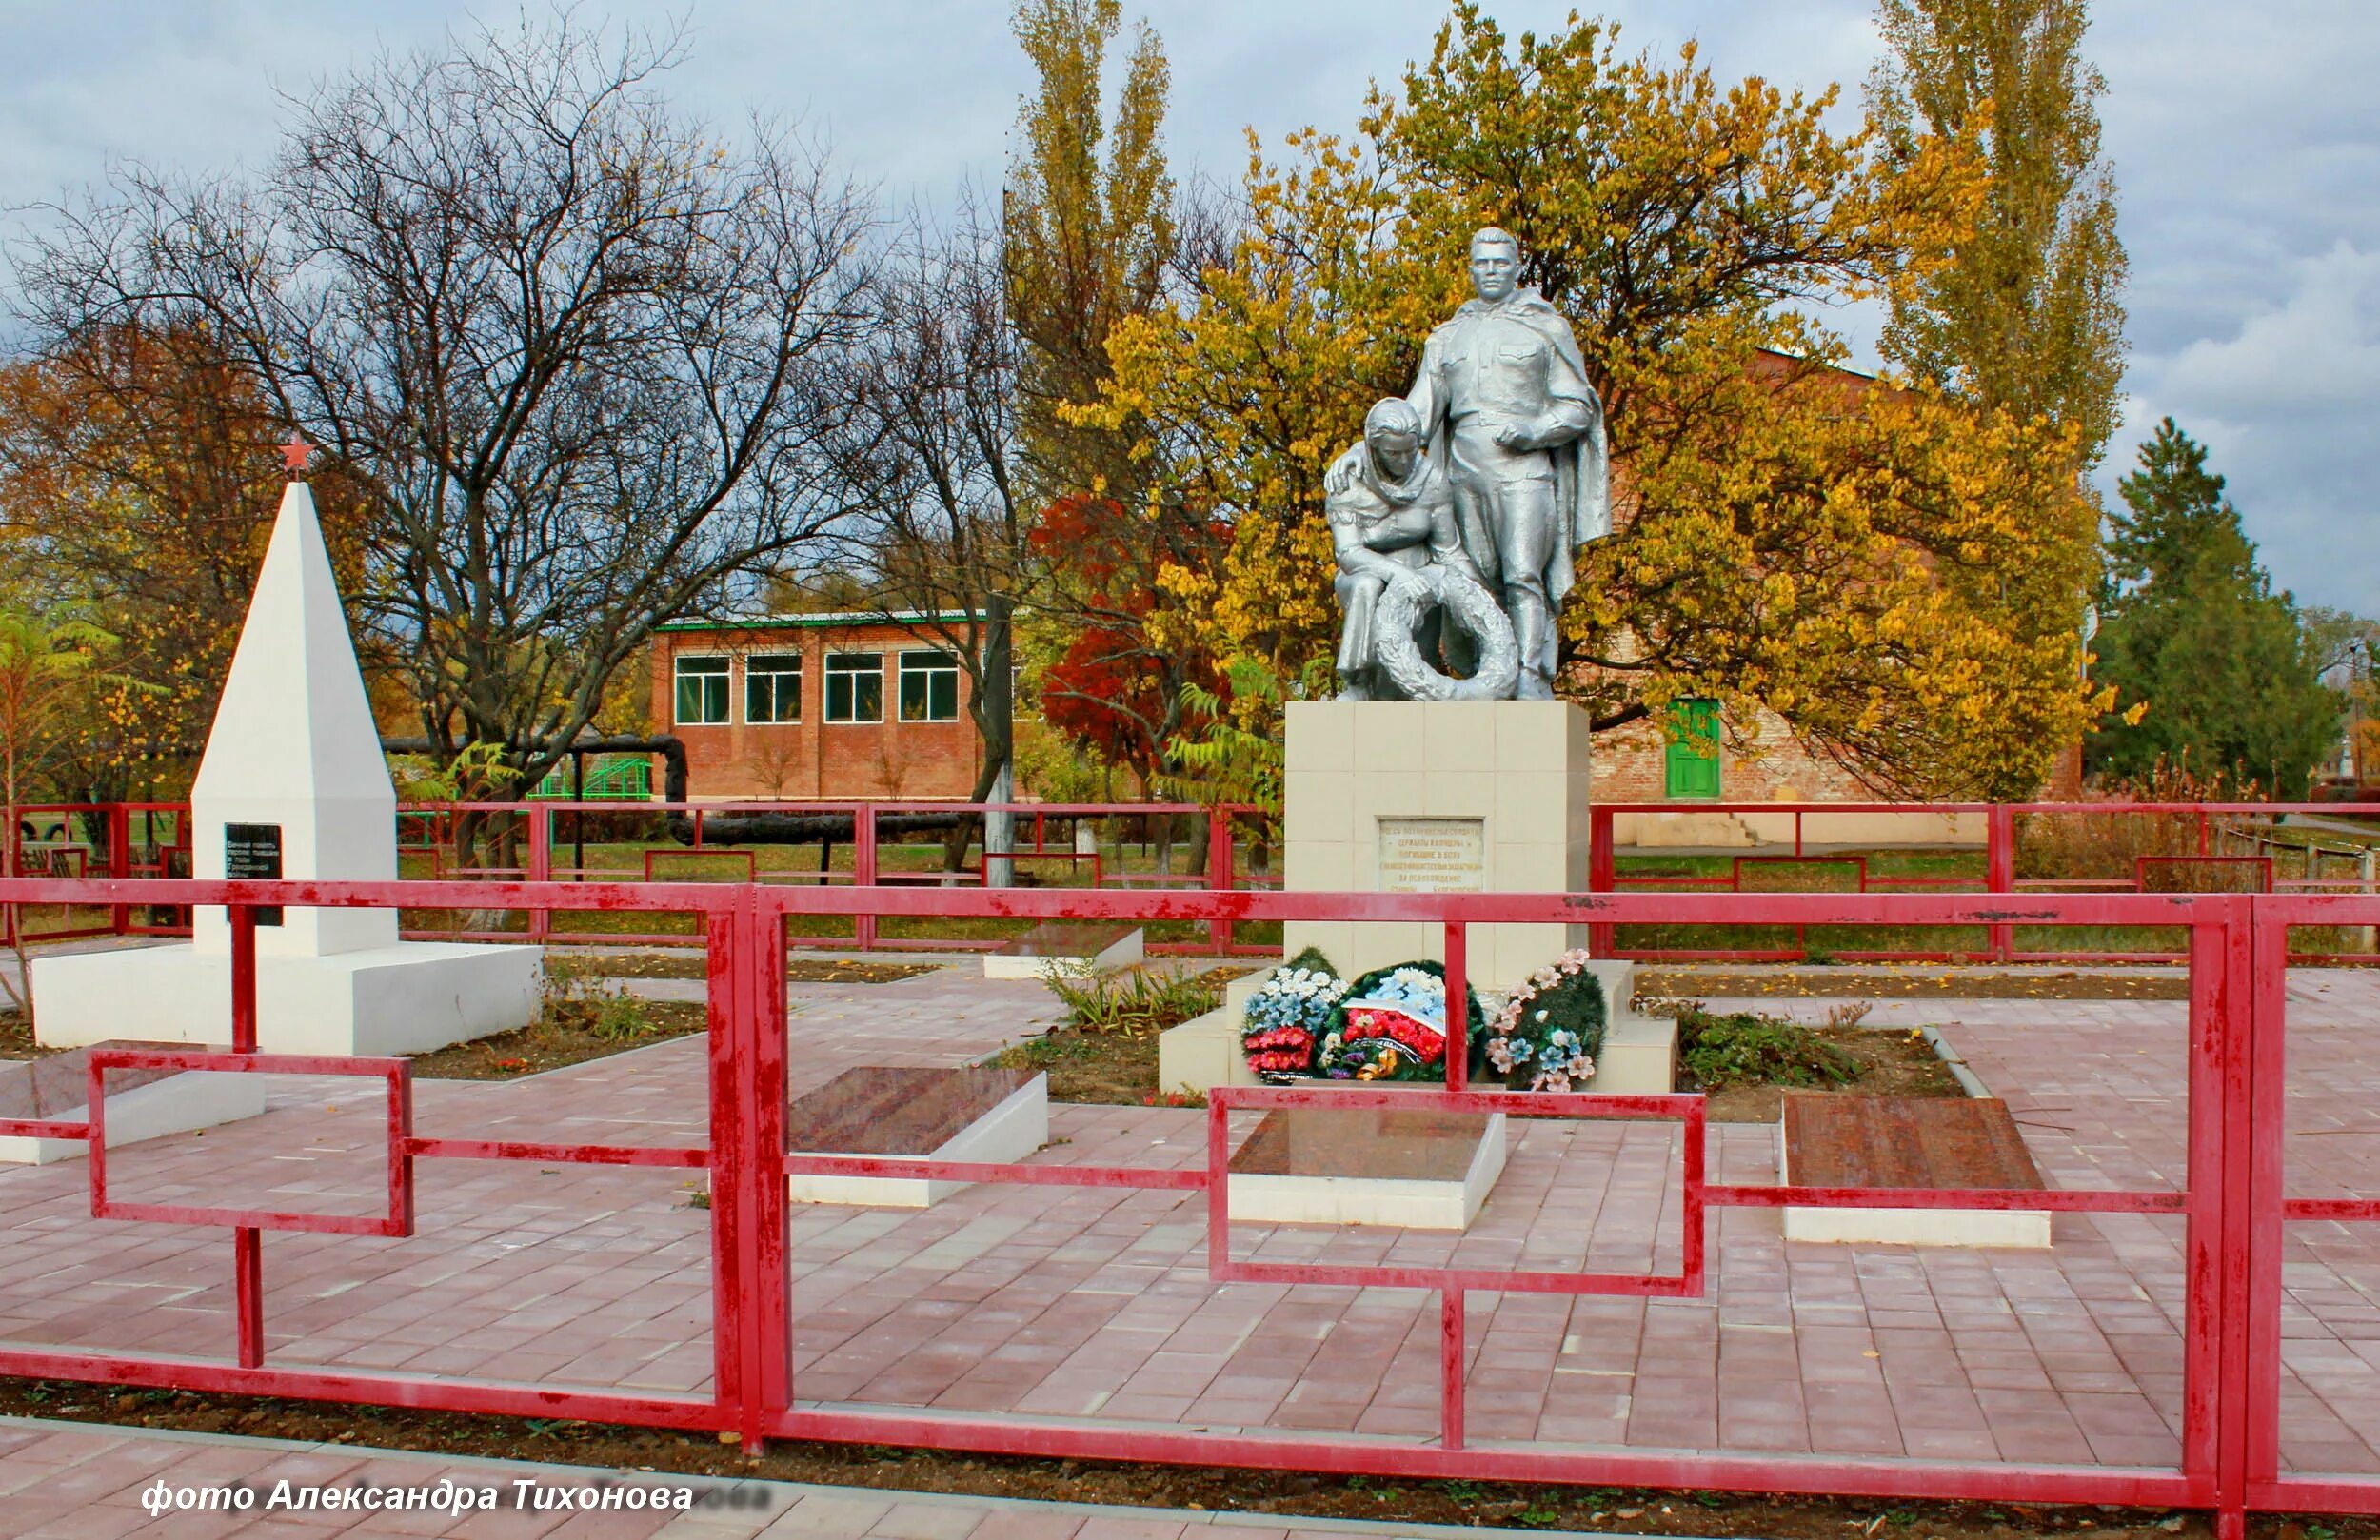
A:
(1504, 407)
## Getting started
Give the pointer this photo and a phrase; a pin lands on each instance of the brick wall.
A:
(1631, 766)
(812, 757)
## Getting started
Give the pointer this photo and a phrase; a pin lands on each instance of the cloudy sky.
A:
(2246, 140)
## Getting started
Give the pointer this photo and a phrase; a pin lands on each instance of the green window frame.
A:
(929, 686)
(702, 690)
(772, 687)
(1693, 757)
(854, 687)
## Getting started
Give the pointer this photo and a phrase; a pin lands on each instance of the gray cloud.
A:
(2246, 141)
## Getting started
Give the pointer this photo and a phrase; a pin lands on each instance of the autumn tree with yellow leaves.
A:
(138, 489)
(1895, 574)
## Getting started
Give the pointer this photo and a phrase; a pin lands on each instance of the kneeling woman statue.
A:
(1402, 576)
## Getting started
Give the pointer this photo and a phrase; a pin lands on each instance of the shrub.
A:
(1131, 999)
(1743, 1049)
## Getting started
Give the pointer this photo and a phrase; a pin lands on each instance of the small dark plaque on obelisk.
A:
(253, 851)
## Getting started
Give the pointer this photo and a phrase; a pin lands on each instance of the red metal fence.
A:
(2009, 848)
(2234, 1204)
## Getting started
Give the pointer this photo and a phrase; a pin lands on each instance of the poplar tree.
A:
(1086, 238)
(2028, 315)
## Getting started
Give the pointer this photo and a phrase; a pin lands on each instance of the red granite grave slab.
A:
(1064, 938)
(882, 1110)
(1381, 1143)
(59, 1086)
(1905, 1141)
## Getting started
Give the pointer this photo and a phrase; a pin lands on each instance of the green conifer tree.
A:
(2191, 625)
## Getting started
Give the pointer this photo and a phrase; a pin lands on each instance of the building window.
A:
(854, 687)
(772, 687)
(1694, 748)
(929, 686)
(701, 691)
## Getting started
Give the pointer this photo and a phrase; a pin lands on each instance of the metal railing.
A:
(2233, 1203)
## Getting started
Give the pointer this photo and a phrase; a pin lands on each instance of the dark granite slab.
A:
(1361, 1141)
(896, 1112)
(1064, 938)
(58, 1087)
(1905, 1141)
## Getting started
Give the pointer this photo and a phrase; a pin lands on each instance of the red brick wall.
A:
(813, 757)
(1631, 765)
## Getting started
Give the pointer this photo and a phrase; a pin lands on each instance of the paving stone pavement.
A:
(74, 1481)
(1096, 1303)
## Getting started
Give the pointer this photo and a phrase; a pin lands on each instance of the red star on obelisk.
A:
(295, 453)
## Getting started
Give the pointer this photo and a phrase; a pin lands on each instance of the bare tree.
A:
(930, 462)
(582, 357)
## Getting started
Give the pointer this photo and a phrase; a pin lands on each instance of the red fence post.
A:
(2266, 1175)
(864, 871)
(1218, 872)
(119, 863)
(768, 1278)
(731, 1151)
(1999, 869)
(1602, 876)
(541, 866)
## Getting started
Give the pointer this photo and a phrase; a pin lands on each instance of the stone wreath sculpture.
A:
(1404, 581)
(1452, 595)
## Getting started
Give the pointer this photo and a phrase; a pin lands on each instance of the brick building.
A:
(807, 706)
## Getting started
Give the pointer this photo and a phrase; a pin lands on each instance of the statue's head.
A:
(1494, 264)
(1392, 430)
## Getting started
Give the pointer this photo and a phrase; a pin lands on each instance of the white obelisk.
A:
(293, 766)
(294, 785)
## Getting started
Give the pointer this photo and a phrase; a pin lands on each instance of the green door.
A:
(1694, 749)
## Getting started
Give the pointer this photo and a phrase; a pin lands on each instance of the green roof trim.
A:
(780, 623)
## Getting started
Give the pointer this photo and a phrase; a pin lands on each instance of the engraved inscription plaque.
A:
(1433, 856)
(253, 851)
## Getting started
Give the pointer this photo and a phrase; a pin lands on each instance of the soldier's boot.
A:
(1531, 634)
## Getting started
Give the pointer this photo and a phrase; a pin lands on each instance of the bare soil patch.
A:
(17, 1038)
(1899, 984)
(572, 1029)
(694, 965)
(1582, 1509)
(1891, 1063)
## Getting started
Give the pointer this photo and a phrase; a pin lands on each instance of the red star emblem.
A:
(295, 453)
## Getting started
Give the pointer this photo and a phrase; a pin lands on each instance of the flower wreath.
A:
(1391, 1025)
(1547, 1033)
(1285, 1016)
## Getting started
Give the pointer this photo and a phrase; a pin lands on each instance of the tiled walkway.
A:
(1057, 1302)
(70, 1481)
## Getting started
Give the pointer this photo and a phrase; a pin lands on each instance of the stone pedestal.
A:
(1443, 797)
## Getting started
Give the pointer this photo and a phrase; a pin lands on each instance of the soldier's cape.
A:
(1582, 488)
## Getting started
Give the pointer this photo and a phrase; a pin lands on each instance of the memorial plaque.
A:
(252, 852)
(1433, 856)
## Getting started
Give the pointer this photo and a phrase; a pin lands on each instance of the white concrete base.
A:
(1009, 1131)
(1399, 1203)
(202, 1098)
(1516, 769)
(1912, 1227)
(409, 999)
(1120, 953)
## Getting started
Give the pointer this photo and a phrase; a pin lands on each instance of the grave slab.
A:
(1367, 1165)
(975, 1113)
(1071, 948)
(141, 1104)
(1907, 1142)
